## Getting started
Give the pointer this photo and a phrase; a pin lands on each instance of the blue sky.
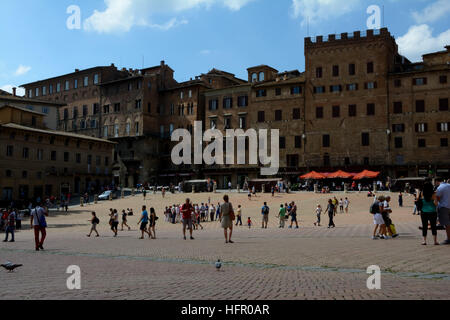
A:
(194, 36)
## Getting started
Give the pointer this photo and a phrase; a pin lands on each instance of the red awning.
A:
(340, 175)
(313, 176)
(366, 174)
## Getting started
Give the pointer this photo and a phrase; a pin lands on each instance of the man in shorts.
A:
(186, 211)
(144, 222)
(293, 215)
(443, 197)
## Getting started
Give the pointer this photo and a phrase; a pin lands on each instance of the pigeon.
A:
(11, 266)
(218, 265)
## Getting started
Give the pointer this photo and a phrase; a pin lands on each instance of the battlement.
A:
(346, 37)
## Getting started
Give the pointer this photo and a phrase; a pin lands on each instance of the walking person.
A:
(378, 220)
(282, 216)
(10, 226)
(400, 200)
(39, 225)
(144, 222)
(443, 198)
(249, 222)
(346, 204)
(114, 222)
(212, 211)
(152, 223)
(318, 214)
(186, 211)
(239, 216)
(226, 219)
(94, 222)
(293, 215)
(144, 193)
(124, 220)
(341, 206)
(429, 212)
(265, 215)
(331, 214)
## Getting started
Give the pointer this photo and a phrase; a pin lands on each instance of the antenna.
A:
(143, 61)
(382, 22)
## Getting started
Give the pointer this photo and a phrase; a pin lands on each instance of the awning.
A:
(340, 175)
(313, 176)
(366, 174)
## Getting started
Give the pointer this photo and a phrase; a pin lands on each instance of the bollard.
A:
(263, 188)
(81, 202)
(345, 188)
(122, 194)
(193, 188)
(95, 199)
(316, 188)
(132, 192)
(238, 189)
(375, 187)
(215, 187)
(111, 197)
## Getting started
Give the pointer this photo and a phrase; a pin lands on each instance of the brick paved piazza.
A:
(309, 263)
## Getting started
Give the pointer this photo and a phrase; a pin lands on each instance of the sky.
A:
(43, 39)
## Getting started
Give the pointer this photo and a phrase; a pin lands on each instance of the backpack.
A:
(266, 210)
(96, 220)
(12, 220)
(375, 208)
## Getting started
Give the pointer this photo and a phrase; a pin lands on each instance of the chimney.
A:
(77, 70)
(14, 91)
(163, 63)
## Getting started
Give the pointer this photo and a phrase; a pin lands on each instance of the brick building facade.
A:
(358, 105)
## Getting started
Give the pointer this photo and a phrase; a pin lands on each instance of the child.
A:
(249, 222)
(249, 195)
(282, 216)
(318, 213)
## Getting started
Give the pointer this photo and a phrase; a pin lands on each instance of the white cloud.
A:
(122, 15)
(9, 87)
(313, 11)
(433, 12)
(419, 40)
(21, 70)
(205, 52)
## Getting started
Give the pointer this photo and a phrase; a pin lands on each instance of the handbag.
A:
(41, 220)
(232, 215)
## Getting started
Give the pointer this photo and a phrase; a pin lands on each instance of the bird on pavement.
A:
(11, 266)
(218, 265)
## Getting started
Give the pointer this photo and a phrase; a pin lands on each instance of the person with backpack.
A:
(265, 213)
(292, 210)
(152, 223)
(10, 226)
(377, 218)
(94, 221)
(39, 225)
(125, 220)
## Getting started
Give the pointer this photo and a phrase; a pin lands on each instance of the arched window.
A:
(261, 76)
(254, 77)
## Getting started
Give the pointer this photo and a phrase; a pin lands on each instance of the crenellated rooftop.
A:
(346, 37)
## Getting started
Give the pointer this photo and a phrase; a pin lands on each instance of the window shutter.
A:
(365, 85)
(438, 127)
(426, 127)
(417, 127)
(425, 80)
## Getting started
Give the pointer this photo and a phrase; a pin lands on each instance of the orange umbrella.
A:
(366, 174)
(340, 175)
(313, 176)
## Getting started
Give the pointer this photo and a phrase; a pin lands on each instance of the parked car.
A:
(105, 195)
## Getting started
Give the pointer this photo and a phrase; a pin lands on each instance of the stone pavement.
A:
(309, 263)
